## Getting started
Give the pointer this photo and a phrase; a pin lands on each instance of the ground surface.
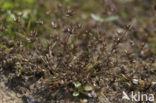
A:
(72, 51)
(7, 95)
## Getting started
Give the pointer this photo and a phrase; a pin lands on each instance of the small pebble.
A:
(31, 100)
(153, 85)
(135, 81)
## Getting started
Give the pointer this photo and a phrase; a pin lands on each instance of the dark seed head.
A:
(154, 7)
(69, 12)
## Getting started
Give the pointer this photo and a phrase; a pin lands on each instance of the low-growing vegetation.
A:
(78, 51)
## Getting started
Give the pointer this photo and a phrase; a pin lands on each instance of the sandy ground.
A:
(8, 96)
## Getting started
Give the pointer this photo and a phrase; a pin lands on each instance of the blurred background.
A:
(109, 14)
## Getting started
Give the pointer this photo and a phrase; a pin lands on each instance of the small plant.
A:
(66, 49)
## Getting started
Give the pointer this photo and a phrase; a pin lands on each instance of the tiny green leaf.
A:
(26, 13)
(75, 94)
(111, 18)
(88, 88)
(100, 19)
(77, 84)
(97, 18)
